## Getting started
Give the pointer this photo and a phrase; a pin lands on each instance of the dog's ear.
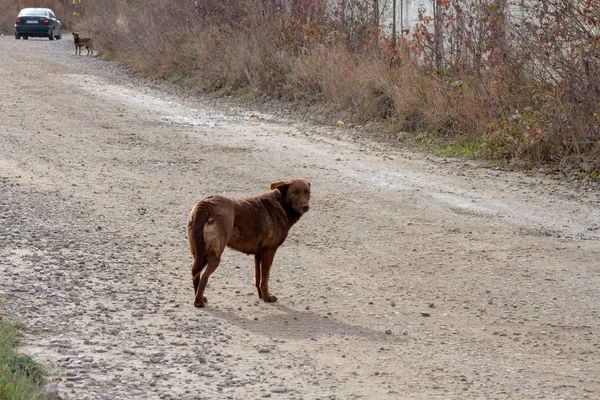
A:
(282, 186)
(279, 185)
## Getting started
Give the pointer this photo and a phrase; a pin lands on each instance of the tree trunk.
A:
(376, 21)
(394, 23)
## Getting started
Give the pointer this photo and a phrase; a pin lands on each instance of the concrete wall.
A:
(407, 13)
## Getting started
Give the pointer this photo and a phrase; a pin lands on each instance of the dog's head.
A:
(76, 35)
(295, 193)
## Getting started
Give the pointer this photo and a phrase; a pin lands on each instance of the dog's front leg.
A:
(257, 261)
(266, 260)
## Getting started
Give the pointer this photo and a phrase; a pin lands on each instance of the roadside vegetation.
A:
(511, 82)
(20, 376)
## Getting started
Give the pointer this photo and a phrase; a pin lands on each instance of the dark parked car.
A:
(39, 22)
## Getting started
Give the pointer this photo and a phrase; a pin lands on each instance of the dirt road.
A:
(411, 277)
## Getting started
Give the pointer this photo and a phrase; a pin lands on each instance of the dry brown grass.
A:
(8, 13)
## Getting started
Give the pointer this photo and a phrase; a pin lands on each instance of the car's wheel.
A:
(59, 35)
(51, 35)
(17, 36)
(25, 37)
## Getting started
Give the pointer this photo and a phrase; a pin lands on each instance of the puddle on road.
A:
(161, 163)
(480, 203)
(168, 111)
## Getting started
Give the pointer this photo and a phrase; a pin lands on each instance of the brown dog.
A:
(255, 225)
(83, 42)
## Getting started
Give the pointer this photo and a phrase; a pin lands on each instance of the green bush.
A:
(20, 376)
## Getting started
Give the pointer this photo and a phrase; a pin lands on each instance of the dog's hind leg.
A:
(197, 245)
(215, 235)
(196, 242)
(197, 267)
(213, 263)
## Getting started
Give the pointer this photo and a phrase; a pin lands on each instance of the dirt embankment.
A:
(410, 277)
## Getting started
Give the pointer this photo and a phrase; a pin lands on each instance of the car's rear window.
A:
(33, 12)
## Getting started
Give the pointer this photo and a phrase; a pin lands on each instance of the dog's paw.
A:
(269, 298)
(201, 304)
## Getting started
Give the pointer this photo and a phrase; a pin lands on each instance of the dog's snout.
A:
(305, 208)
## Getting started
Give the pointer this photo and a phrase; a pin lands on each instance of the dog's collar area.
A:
(293, 215)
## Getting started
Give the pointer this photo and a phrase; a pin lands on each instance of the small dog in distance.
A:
(83, 42)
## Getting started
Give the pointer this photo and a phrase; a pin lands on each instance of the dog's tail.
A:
(195, 232)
